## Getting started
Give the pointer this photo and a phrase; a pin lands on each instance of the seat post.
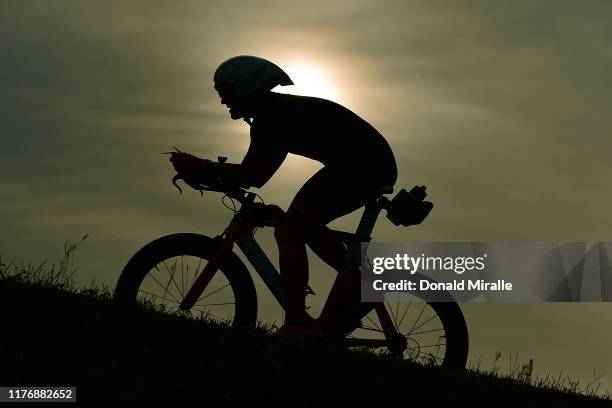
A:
(364, 229)
(371, 211)
(368, 218)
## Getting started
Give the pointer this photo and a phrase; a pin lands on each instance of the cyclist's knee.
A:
(290, 227)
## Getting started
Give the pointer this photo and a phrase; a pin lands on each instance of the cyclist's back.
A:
(321, 130)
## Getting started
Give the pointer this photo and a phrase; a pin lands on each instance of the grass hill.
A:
(128, 355)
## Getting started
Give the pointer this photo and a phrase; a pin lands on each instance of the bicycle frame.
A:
(240, 231)
(270, 275)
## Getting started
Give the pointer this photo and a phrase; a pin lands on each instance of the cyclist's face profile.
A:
(231, 101)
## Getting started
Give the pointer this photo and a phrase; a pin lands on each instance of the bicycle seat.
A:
(385, 190)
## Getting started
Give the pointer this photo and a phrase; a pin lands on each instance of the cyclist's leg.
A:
(293, 261)
(328, 195)
(291, 235)
(320, 200)
(331, 193)
(343, 193)
(328, 248)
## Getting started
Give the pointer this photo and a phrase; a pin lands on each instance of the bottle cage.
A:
(409, 208)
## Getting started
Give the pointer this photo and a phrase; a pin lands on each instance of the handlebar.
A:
(406, 208)
(211, 177)
(238, 193)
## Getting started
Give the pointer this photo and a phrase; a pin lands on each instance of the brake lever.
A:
(174, 181)
(195, 186)
(177, 177)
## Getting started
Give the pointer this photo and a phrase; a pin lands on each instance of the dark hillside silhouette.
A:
(124, 355)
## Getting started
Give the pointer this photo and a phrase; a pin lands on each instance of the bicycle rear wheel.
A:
(162, 272)
(430, 333)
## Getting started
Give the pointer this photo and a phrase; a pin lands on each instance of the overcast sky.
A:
(503, 109)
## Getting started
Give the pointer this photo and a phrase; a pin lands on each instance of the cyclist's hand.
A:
(186, 164)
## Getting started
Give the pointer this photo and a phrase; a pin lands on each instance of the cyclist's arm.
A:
(259, 165)
(264, 157)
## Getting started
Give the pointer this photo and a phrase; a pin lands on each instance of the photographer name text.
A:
(405, 285)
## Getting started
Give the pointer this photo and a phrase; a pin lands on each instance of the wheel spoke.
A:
(397, 310)
(432, 345)
(418, 318)
(215, 304)
(390, 309)
(171, 269)
(370, 329)
(157, 296)
(421, 331)
(165, 288)
(215, 291)
(374, 323)
(423, 324)
(405, 311)
(427, 331)
(172, 277)
(196, 271)
(438, 347)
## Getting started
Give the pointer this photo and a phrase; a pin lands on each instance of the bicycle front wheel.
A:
(163, 271)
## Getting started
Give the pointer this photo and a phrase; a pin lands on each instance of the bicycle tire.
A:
(457, 337)
(451, 317)
(195, 245)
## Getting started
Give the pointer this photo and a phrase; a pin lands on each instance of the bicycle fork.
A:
(241, 226)
(202, 281)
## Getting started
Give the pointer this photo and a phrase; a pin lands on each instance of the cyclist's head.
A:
(241, 80)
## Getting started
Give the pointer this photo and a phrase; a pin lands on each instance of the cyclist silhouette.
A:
(357, 162)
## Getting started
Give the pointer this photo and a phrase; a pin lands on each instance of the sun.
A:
(309, 81)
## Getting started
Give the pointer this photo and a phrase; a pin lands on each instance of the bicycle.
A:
(219, 268)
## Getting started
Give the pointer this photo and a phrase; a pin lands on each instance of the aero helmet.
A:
(245, 76)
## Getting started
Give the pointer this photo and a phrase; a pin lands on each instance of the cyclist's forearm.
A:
(242, 175)
(257, 168)
(251, 175)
